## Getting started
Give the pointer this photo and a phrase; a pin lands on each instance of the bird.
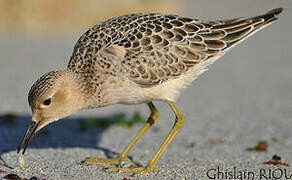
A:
(136, 59)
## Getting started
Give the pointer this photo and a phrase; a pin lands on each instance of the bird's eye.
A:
(47, 102)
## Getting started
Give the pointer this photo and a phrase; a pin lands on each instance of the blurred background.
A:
(70, 16)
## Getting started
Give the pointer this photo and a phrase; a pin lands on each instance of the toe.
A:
(133, 169)
(104, 161)
(99, 161)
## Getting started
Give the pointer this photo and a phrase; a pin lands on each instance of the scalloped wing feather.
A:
(151, 49)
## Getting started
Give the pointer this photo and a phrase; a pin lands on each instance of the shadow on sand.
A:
(67, 133)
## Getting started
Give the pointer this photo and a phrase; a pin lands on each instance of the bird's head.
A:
(53, 96)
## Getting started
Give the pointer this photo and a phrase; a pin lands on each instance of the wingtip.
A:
(275, 11)
(270, 15)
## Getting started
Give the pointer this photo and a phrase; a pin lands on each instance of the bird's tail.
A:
(241, 28)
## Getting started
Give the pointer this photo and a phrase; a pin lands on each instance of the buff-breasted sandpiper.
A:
(133, 59)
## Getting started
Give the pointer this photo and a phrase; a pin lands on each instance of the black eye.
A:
(47, 102)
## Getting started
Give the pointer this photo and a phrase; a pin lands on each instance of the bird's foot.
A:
(133, 169)
(105, 161)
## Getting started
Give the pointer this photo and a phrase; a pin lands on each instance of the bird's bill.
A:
(29, 135)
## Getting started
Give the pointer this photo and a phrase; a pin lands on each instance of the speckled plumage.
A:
(41, 86)
(154, 48)
(132, 59)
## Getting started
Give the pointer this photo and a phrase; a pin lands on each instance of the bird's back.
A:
(150, 49)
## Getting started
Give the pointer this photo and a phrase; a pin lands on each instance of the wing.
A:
(153, 48)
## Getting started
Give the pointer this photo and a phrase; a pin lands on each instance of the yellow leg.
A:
(124, 155)
(151, 166)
